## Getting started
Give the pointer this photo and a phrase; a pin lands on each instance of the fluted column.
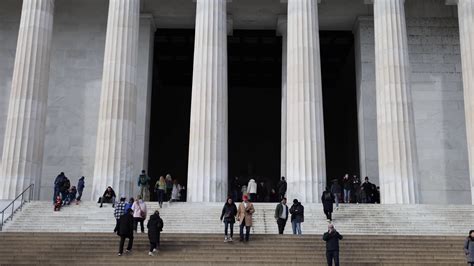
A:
(466, 32)
(306, 163)
(24, 134)
(282, 30)
(117, 114)
(398, 164)
(207, 170)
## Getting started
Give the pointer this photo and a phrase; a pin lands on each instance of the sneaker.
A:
(230, 239)
(127, 251)
(154, 250)
(150, 253)
(120, 254)
(337, 208)
(226, 239)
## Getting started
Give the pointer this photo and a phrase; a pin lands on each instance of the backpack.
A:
(327, 196)
(143, 179)
(66, 184)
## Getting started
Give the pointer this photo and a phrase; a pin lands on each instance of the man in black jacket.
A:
(281, 215)
(282, 187)
(332, 238)
(125, 230)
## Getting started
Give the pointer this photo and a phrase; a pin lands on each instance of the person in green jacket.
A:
(143, 184)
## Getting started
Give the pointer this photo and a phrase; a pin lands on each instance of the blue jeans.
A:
(347, 195)
(336, 198)
(296, 226)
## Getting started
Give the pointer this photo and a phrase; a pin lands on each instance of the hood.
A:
(252, 180)
(82, 178)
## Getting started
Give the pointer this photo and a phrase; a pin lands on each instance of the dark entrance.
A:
(254, 104)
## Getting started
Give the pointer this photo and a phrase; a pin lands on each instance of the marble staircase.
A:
(186, 218)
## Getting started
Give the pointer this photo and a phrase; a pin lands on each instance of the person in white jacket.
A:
(139, 213)
(252, 190)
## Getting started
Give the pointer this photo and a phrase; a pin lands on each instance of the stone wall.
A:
(437, 101)
(74, 87)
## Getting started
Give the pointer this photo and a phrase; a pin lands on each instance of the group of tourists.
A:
(165, 188)
(64, 193)
(257, 191)
(351, 190)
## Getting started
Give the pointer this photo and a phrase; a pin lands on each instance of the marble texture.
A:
(306, 164)
(115, 144)
(282, 31)
(208, 150)
(397, 153)
(25, 126)
(466, 32)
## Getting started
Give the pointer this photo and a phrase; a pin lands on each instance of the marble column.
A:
(306, 163)
(207, 168)
(24, 134)
(117, 114)
(282, 31)
(466, 33)
(398, 163)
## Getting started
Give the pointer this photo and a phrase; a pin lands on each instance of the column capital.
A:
(282, 24)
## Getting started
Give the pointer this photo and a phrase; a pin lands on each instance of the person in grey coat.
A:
(469, 248)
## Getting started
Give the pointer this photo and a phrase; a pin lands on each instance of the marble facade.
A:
(437, 85)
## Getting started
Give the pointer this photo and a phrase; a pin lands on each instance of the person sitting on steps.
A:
(108, 197)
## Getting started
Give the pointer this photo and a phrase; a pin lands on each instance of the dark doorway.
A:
(339, 103)
(254, 63)
(255, 108)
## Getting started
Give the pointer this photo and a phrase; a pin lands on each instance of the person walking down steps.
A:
(229, 211)
(244, 216)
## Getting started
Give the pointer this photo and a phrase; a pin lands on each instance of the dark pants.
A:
(247, 231)
(281, 225)
(116, 225)
(79, 193)
(122, 242)
(160, 196)
(328, 214)
(63, 195)
(226, 227)
(282, 195)
(332, 255)
(156, 244)
(56, 193)
(137, 220)
(107, 200)
(253, 197)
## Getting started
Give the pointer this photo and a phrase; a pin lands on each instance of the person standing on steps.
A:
(336, 190)
(169, 187)
(80, 189)
(144, 185)
(229, 211)
(139, 214)
(282, 186)
(297, 216)
(244, 216)
(347, 186)
(119, 211)
(160, 188)
(155, 226)
(327, 199)
(125, 230)
(469, 248)
(281, 215)
(332, 238)
(58, 184)
(252, 190)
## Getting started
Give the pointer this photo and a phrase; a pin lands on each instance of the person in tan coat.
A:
(244, 216)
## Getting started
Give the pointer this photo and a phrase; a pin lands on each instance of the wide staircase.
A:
(193, 235)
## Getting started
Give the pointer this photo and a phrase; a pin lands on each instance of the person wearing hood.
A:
(229, 211)
(58, 183)
(125, 230)
(469, 248)
(327, 199)
(80, 189)
(297, 216)
(252, 190)
(155, 226)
